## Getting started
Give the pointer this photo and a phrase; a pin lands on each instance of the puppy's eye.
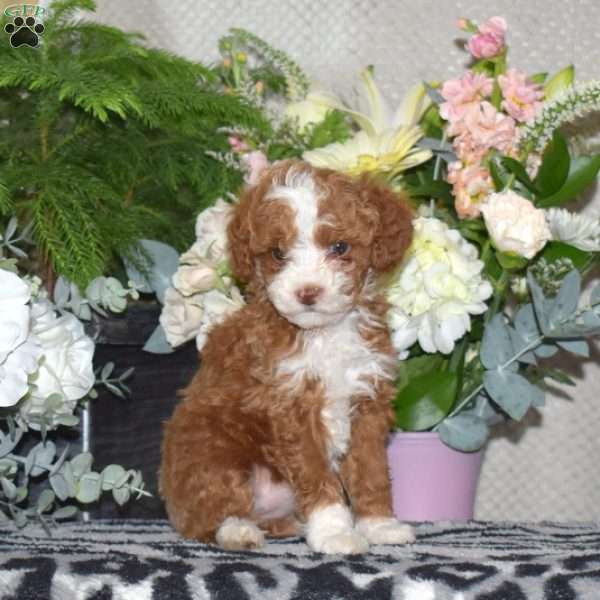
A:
(278, 254)
(339, 248)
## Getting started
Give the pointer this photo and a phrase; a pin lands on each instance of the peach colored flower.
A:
(471, 187)
(489, 41)
(464, 93)
(522, 98)
(489, 128)
(515, 225)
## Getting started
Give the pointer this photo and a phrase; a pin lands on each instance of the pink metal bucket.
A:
(431, 481)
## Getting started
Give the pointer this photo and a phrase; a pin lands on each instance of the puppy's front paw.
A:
(239, 534)
(330, 530)
(385, 530)
(345, 542)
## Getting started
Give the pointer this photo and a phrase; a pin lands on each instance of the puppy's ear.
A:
(239, 233)
(394, 231)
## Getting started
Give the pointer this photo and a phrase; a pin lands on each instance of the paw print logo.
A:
(24, 32)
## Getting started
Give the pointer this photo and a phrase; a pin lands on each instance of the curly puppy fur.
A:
(283, 428)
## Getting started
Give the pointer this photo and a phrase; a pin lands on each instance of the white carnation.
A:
(437, 289)
(181, 316)
(576, 230)
(211, 234)
(216, 307)
(515, 225)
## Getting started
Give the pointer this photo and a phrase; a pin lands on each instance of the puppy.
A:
(283, 429)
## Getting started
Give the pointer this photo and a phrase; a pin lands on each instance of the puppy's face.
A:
(311, 237)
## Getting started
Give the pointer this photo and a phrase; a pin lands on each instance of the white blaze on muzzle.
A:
(308, 273)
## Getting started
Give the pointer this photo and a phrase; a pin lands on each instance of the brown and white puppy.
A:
(286, 421)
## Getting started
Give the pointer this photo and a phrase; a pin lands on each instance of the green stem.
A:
(499, 293)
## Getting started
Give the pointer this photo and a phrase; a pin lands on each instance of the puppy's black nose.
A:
(309, 294)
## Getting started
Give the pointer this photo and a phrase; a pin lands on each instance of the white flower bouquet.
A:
(492, 282)
(46, 372)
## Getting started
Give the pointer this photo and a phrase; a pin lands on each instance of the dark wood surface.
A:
(128, 432)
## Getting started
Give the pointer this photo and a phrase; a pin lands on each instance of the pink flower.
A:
(490, 128)
(471, 186)
(237, 144)
(255, 162)
(462, 94)
(522, 99)
(489, 41)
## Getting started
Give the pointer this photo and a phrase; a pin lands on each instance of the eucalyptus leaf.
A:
(496, 345)
(464, 432)
(65, 512)
(80, 464)
(8, 443)
(511, 392)
(425, 401)
(157, 343)
(578, 347)
(554, 170)
(42, 455)
(545, 350)
(45, 501)
(60, 486)
(8, 488)
(433, 93)
(89, 487)
(161, 266)
(565, 302)
(107, 369)
(110, 475)
(595, 294)
(540, 305)
(121, 495)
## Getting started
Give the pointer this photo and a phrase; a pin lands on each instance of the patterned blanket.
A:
(146, 560)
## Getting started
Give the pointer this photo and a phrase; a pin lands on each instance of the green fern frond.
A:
(6, 203)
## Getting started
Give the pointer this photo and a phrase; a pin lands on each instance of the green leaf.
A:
(511, 392)
(583, 171)
(554, 251)
(464, 432)
(511, 262)
(526, 324)
(540, 305)
(546, 350)
(425, 401)
(500, 174)
(121, 495)
(8, 443)
(554, 169)
(518, 170)
(40, 458)
(559, 82)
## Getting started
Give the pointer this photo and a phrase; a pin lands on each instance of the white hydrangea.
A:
(437, 289)
(574, 229)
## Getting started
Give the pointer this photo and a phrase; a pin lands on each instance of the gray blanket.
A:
(146, 560)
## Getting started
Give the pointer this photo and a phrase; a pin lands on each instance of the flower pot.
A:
(431, 481)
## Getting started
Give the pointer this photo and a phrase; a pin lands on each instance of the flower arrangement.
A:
(491, 285)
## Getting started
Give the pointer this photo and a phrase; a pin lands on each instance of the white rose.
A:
(312, 109)
(211, 232)
(181, 316)
(18, 353)
(217, 306)
(67, 365)
(515, 225)
(192, 279)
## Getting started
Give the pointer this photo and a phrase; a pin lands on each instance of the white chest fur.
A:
(346, 366)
